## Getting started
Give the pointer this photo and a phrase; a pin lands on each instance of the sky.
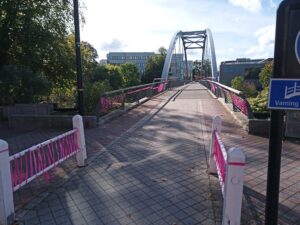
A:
(240, 28)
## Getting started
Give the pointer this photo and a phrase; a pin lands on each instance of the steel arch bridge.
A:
(202, 40)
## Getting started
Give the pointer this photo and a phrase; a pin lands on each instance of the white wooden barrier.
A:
(234, 178)
(7, 211)
(81, 155)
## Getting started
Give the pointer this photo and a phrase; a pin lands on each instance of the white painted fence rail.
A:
(23, 167)
(229, 165)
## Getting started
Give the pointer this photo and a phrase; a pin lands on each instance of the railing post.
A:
(216, 126)
(81, 155)
(233, 190)
(7, 211)
(123, 100)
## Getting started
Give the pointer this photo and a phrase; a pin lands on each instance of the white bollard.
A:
(233, 190)
(81, 155)
(7, 211)
(216, 126)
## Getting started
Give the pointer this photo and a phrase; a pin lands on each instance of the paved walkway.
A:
(155, 173)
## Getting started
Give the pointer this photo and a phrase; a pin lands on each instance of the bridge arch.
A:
(192, 40)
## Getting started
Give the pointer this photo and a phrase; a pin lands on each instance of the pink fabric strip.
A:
(33, 162)
(221, 164)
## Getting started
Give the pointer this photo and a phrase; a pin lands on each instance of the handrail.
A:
(228, 88)
(133, 87)
(235, 97)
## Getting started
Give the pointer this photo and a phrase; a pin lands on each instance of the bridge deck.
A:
(155, 172)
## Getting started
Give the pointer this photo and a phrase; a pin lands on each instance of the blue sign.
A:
(297, 46)
(284, 94)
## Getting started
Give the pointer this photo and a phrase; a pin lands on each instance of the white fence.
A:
(229, 165)
(19, 169)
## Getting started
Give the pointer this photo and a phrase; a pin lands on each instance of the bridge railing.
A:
(229, 165)
(235, 97)
(21, 168)
(125, 98)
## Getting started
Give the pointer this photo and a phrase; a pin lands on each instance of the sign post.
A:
(284, 95)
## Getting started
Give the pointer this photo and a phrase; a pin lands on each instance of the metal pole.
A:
(275, 145)
(276, 128)
(78, 59)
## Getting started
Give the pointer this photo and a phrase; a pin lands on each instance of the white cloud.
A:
(144, 25)
(250, 5)
(114, 45)
(266, 38)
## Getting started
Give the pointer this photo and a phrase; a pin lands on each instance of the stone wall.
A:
(28, 109)
(31, 122)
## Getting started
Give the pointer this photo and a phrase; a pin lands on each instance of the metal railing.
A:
(235, 97)
(123, 99)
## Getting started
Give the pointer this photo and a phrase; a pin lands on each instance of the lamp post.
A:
(78, 59)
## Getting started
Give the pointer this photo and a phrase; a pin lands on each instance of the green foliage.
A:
(130, 74)
(92, 93)
(238, 83)
(37, 35)
(21, 85)
(65, 96)
(114, 77)
(265, 75)
(259, 104)
(247, 88)
(154, 66)
(32, 30)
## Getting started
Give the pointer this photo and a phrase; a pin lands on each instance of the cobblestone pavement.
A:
(155, 173)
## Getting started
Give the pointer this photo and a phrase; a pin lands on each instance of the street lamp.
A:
(78, 59)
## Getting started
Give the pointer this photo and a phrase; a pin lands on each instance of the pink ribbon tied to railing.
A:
(37, 160)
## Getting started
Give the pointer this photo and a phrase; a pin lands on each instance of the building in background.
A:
(248, 68)
(177, 67)
(137, 58)
(103, 62)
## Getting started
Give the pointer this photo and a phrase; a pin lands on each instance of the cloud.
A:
(266, 38)
(114, 45)
(250, 5)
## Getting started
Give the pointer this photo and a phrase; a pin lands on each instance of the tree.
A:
(260, 103)
(154, 66)
(130, 74)
(32, 30)
(238, 83)
(265, 75)
(109, 73)
(20, 85)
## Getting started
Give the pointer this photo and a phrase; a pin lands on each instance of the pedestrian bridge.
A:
(148, 163)
(149, 166)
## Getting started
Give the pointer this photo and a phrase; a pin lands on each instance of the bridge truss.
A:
(202, 40)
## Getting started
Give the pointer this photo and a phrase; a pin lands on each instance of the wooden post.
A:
(7, 211)
(81, 155)
(233, 190)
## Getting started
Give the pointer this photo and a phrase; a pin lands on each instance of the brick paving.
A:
(95, 140)
(155, 172)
